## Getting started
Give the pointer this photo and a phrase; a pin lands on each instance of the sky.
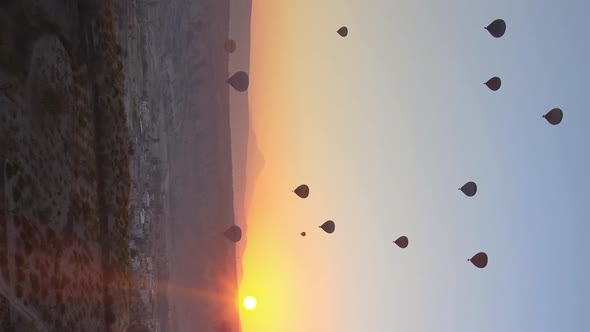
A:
(384, 126)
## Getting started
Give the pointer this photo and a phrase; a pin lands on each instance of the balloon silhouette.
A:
(230, 45)
(328, 227)
(554, 116)
(469, 189)
(343, 31)
(234, 233)
(497, 28)
(302, 191)
(494, 83)
(402, 242)
(479, 260)
(239, 81)
(303, 234)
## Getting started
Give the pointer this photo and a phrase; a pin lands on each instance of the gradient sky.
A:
(384, 126)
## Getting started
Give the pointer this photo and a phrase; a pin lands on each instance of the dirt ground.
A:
(64, 162)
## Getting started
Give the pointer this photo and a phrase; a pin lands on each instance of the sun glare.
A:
(250, 302)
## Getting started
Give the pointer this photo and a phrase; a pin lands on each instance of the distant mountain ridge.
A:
(247, 159)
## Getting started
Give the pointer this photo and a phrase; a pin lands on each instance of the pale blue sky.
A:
(397, 113)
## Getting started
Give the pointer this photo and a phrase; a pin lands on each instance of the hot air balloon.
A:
(343, 31)
(302, 191)
(480, 260)
(239, 81)
(497, 28)
(554, 116)
(234, 233)
(469, 189)
(402, 242)
(230, 45)
(328, 227)
(494, 83)
(303, 234)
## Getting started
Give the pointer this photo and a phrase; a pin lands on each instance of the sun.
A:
(250, 302)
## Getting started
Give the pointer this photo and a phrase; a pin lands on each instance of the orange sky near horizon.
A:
(263, 277)
(272, 273)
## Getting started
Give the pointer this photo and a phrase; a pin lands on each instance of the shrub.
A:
(19, 260)
(20, 274)
(11, 169)
(16, 194)
(35, 284)
(53, 100)
(19, 291)
(109, 316)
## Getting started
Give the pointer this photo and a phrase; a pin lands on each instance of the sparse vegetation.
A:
(54, 100)
(71, 253)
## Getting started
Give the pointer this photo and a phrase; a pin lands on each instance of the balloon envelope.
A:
(494, 83)
(469, 189)
(343, 31)
(239, 81)
(402, 242)
(479, 260)
(230, 45)
(234, 233)
(302, 191)
(303, 234)
(328, 227)
(497, 28)
(554, 116)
